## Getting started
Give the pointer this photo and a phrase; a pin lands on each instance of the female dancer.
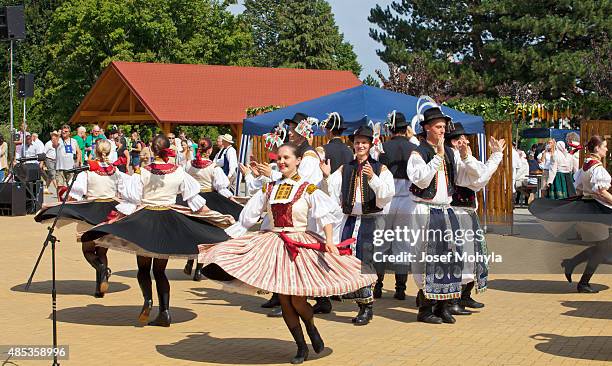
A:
(213, 188)
(287, 258)
(99, 186)
(159, 230)
(560, 179)
(590, 215)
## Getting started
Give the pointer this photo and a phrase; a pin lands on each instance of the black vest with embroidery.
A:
(464, 197)
(349, 184)
(427, 153)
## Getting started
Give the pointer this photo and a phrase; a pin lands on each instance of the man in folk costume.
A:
(432, 168)
(469, 181)
(364, 189)
(227, 159)
(395, 157)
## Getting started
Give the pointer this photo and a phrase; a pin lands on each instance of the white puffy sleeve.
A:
(600, 179)
(190, 190)
(220, 182)
(130, 189)
(480, 173)
(421, 173)
(249, 215)
(383, 186)
(323, 209)
(333, 186)
(578, 181)
(79, 188)
(555, 160)
(309, 168)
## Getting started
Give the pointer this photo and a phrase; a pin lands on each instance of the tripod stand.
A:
(53, 240)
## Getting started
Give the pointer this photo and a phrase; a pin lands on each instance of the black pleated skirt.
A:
(575, 209)
(158, 233)
(217, 202)
(91, 212)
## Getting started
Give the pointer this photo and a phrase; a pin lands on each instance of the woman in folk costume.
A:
(155, 228)
(560, 178)
(433, 170)
(469, 181)
(213, 188)
(364, 189)
(288, 257)
(91, 200)
(590, 214)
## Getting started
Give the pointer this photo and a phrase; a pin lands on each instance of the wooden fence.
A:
(601, 128)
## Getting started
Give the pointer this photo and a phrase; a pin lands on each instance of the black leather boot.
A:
(568, 268)
(466, 297)
(188, 267)
(366, 313)
(323, 305)
(276, 312)
(313, 334)
(102, 275)
(377, 293)
(441, 309)
(273, 302)
(400, 286)
(197, 276)
(584, 286)
(455, 308)
(302, 351)
(163, 317)
(426, 314)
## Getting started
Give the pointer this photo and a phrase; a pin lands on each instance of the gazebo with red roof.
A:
(186, 94)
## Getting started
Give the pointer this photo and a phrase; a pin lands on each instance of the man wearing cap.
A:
(227, 159)
(395, 158)
(465, 204)
(433, 169)
(364, 189)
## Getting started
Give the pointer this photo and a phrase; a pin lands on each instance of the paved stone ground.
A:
(530, 319)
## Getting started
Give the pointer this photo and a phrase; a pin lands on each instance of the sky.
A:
(352, 19)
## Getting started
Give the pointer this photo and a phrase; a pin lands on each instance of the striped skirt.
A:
(261, 261)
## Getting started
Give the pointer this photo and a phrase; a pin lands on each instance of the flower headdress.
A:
(276, 137)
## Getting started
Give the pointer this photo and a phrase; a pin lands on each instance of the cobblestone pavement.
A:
(529, 319)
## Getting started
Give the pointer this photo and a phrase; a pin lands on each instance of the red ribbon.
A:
(272, 156)
(167, 153)
(344, 248)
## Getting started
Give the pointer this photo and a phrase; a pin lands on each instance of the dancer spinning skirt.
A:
(91, 200)
(155, 228)
(288, 257)
(213, 188)
(589, 214)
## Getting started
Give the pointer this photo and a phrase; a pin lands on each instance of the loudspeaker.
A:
(12, 199)
(27, 172)
(25, 84)
(12, 22)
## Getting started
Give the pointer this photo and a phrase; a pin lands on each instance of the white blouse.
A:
(91, 185)
(210, 177)
(312, 211)
(591, 181)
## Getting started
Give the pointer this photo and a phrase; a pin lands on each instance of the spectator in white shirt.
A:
(68, 156)
(49, 163)
(28, 150)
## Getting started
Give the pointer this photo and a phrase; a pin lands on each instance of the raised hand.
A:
(244, 169)
(367, 170)
(325, 168)
(440, 147)
(264, 169)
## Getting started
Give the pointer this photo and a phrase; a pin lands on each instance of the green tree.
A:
(298, 34)
(489, 43)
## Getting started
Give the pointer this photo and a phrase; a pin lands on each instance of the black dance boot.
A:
(568, 268)
(102, 275)
(584, 286)
(400, 286)
(188, 267)
(302, 351)
(197, 276)
(163, 317)
(313, 334)
(377, 293)
(426, 314)
(273, 302)
(366, 313)
(277, 312)
(147, 293)
(455, 308)
(323, 305)
(466, 297)
(441, 309)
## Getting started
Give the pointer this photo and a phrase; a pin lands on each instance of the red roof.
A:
(210, 94)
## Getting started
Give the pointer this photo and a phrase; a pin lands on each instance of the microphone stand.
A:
(53, 240)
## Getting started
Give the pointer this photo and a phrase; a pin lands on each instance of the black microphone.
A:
(77, 170)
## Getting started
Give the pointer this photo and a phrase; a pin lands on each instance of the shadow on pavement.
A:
(384, 308)
(595, 348)
(69, 287)
(202, 347)
(95, 314)
(538, 286)
(589, 309)
(173, 274)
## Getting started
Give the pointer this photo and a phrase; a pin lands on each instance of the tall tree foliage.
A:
(299, 34)
(487, 43)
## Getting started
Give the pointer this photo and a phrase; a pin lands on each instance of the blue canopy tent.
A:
(357, 105)
(545, 133)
